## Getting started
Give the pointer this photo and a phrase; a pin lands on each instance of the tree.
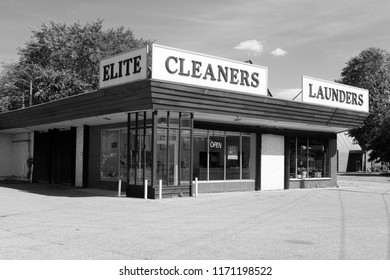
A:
(61, 60)
(371, 70)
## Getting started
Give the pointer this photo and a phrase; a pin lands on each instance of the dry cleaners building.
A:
(188, 116)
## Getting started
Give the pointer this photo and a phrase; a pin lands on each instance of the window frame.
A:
(327, 159)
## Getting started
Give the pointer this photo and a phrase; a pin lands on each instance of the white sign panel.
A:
(123, 68)
(185, 67)
(334, 94)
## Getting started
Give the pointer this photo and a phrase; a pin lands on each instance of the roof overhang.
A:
(111, 105)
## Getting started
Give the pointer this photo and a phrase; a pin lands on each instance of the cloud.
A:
(251, 45)
(279, 52)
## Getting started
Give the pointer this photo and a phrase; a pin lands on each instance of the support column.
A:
(79, 156)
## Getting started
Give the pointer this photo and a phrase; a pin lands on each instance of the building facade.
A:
(159, 130)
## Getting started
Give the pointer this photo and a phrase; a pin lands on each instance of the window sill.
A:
(310, 179)
(224, 181)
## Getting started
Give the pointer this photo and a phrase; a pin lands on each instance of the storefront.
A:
(194, 117)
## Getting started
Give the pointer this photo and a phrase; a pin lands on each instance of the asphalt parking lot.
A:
(58, 222)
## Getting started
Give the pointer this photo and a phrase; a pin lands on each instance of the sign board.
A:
(334, 94)
(185, 67)
(123, 68)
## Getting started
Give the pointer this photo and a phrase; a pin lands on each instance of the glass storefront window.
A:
(123, 155)
(148, 156)
(162, 155)
(185, 163)
(173, 157)
(220, 155)
(109, 161)
(246, 156)
(302, 157)
(173, 119)
(185, 120)
(318, 158)
(139, 156)
(200, 154)
(233, 157)
(308, 158)
(216, 147)
(162, 118)
(174, 147)
(293, 157)
(133, 154)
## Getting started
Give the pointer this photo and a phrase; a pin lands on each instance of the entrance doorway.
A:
(55, 156)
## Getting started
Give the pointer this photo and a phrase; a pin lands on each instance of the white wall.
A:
(14, 152)
(272, 162)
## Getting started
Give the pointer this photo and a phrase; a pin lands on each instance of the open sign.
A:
(215, 144)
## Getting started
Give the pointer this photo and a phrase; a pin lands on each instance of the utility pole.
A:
(30, 99)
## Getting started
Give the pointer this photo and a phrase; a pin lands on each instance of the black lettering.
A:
(137, 67)
(120, 69)
(224, 72)
(181, 72)
(244, 78)
(320, 93)
(106, 75)
(348, 97)
(170, 71)
(233, 76)
(195, 69)
(328, 94)
(112, 72)
(126, 63)
(209, 72)
(311, 91)
(342, 96)
(335, 94)
(360, 97)
(354, 96)
(255, 80)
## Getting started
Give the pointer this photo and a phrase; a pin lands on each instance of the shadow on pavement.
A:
(57, 189)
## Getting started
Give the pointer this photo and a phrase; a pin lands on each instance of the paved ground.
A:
(58, 222)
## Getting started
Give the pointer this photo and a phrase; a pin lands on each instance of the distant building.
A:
(350, 156)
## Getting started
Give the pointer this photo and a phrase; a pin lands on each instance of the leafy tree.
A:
(61, 60)
(371, 70)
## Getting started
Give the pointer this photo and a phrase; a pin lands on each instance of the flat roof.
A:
(111, 105)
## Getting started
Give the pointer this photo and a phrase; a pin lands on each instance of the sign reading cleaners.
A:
(334, 94)
(202, 70)
(123, 68)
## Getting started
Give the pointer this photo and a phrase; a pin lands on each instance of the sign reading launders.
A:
(334, 94)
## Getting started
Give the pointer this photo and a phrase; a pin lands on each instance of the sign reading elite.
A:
(123, 68)
(202, 70)
(334, 94)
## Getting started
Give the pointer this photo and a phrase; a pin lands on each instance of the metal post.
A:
(31, 173)
(196, 186)
(146, 189)
(31, 94)
(160, 189)
(120, 187)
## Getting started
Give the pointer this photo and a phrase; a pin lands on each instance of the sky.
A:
(291, 38)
